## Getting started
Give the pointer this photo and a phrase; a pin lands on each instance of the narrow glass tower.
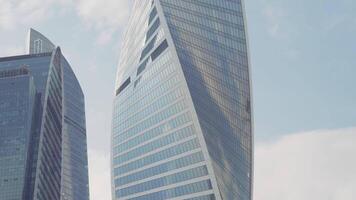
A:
(31, 126)
(43, 152)
(182, 119)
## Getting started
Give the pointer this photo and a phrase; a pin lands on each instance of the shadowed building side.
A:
(210, 39)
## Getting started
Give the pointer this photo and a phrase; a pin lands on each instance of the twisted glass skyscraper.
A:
(182, 120)
(42, 126)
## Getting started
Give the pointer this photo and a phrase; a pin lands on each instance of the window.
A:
(152, 29)
(123, 86)
(148, 47)
(152, 15)
(137, 81)
(38, 46)
(158, 51)
(142, 67)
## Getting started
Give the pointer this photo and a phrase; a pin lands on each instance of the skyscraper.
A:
(42, 126)
(182, 119)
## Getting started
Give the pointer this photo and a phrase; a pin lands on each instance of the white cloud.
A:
(7, 50)
(315, 165)
(99, 175)
(5, 14)
(274, 17)
(23, 12)
(106, 18)
(105, 36)
(109, 14)
(279, 23)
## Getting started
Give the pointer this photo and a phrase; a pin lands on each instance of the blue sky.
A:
(302, 58)
(303, 64)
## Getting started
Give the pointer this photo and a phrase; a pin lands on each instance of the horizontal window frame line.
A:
(188, 153)
(191, 138)
(187, 110)
(172, 74)
(186, 125)
(181, 162)
(171, 186)
(152, 114)
(182, 176)
(155, 71)
(142, 95)
(151, 147)
(175, 88)
(195, 165)
(161, 67)
(169, 92)
(194, 195)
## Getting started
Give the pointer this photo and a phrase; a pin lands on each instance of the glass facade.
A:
(182, 120)
(42, 153)
(48, 162)
(42, 127)
(155, 149)
(75, 180)
(17, 101)
(210, 39)
(74, 171)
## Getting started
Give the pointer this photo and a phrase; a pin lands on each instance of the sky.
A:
(303, 67)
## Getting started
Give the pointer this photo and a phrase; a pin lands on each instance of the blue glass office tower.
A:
(42, 126)
(17, 101)
(182, 119)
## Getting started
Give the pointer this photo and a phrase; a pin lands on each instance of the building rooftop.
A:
(18, 57)
(14, 72)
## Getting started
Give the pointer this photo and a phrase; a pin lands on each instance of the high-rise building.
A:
(182, 119)
(43, 151)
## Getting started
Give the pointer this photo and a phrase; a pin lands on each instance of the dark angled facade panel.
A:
(75, 178)
(217, 74)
